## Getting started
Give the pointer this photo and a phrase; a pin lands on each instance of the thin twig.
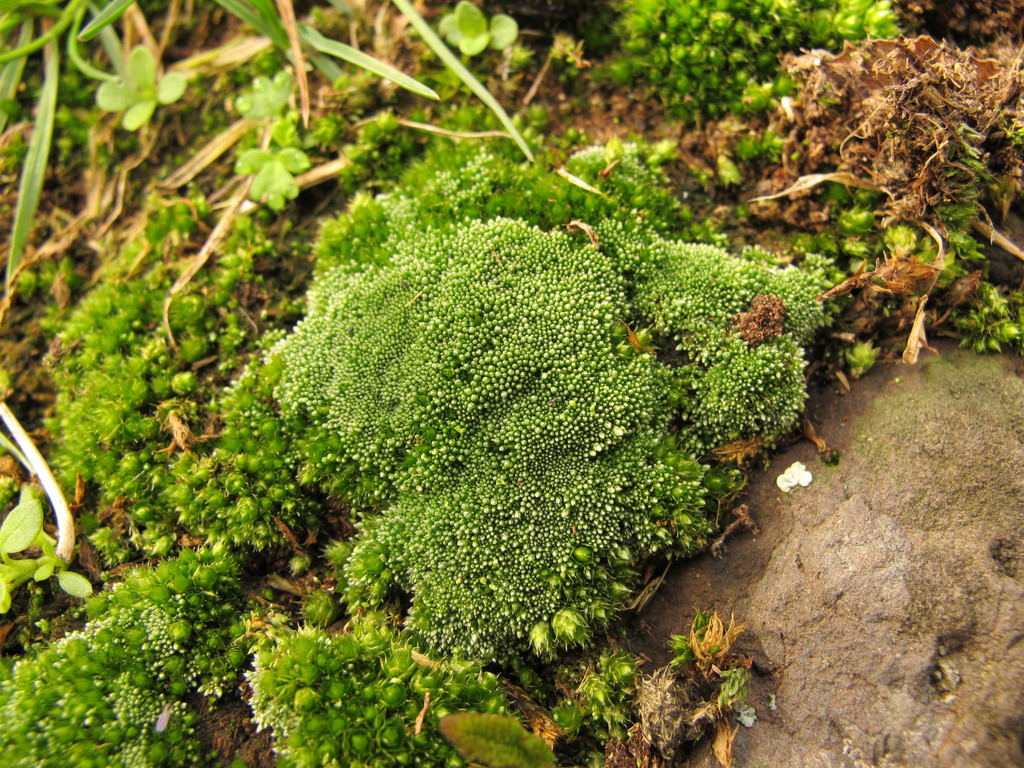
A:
(998, 238)
(212, 243)
(139, 23)
(65, 523)
(207, 154)
(287, 11)
(540, 77)
(428, 128)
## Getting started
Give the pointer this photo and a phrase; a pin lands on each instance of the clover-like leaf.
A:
(284, 132)
(171, 88)
(504, 31)
(472, 45)
(294, 160)
(471, 20)
(138, 114)
(113, 97)
(449, 28)
(274, 185)
(268, 97)
(22, 525)
(252, 160)
(142, 68)
(74, 584)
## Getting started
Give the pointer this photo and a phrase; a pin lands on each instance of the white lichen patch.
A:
(795, 476)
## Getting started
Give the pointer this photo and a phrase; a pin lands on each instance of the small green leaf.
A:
(471, 19)
(504, 31)
(138, 114)
(252, 160)
(5, 598)
(114, 97)
(142, 68)
(285, 133)
(22, 525)
(449, 27)
(171, 88)
(496, 740)
(472, 45)
(294, 160)
(273, 185)
(44, 571)
(74, 584)
(268, 98)
(111, 12)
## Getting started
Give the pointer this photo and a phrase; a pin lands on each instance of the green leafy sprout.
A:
(276, 166)
(21, 530)
(139, 94)
(23, 526)
(468, 29)
(734, 687)
(268, 97)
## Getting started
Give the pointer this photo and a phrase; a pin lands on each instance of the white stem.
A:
(65, 524)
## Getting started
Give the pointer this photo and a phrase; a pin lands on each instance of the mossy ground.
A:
(161, 428)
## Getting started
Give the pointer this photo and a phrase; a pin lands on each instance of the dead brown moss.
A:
(925, 123)
(762, 321)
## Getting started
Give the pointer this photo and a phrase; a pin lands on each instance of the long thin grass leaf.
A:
(111, 12)
(268, 26)
(34, 172)
(10, 75)
(113, 47)
(451, 61)
(328, 66)
(30, 9)
(360, 59)
(78, 60)
(35, 44)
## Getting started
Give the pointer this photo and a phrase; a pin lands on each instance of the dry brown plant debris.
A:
(762, 321)
(920, 120)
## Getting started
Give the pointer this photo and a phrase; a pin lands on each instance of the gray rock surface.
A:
(884, 604)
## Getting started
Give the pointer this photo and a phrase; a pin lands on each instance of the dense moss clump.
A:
(716, 58)
(121, 692)
(346, 699)
(526, 404)
(146, 425)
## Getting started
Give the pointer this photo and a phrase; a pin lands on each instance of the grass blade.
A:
(451, 61)
(34, 172)
(110, 13)
(76, 58)
(287, 12)
(10, 75)
(360, 59)
(258, 20)
(112, 47)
